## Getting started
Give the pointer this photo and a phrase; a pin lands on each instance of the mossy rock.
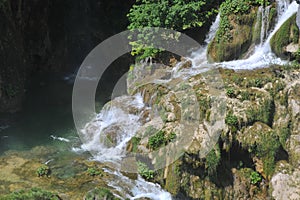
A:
(288, 33)
(224, 49)
(100, 194)
(173, 178)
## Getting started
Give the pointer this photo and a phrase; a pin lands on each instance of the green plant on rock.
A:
(212, 160)
(144, 170)
(43, 170)
(93, 171)
(32, 194)
(231, 120)
(245, 95)
(160, 138)
(157, 140)
(230, 92)
(255, 178)
(100, 193)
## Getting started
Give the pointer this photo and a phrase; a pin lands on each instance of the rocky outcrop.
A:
(261, 131)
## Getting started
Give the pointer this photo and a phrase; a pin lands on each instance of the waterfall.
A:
(107, 135)
(282, 6)
(265, 12)
(138, 188)
(263, 56)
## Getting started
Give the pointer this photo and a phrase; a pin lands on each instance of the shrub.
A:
(32, 194)
(255, 178)
(157, 140)
(245, 95)
(231, 120)
(230, 92)
(160, 138)
(212, 160)
(144, 171)
(93, 171)
(43, 170)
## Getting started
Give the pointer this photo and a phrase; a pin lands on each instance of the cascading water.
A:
(263, 56)
(118, 122)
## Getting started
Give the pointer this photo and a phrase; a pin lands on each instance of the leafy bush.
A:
(212, 160)
(43, 170)
(177, 15)
(160, 138)
(231, 120)
(93, 171)
(157, 140)
(230, 92)
(255, 178)
(144, 171)
(245, 95)
(32, 194)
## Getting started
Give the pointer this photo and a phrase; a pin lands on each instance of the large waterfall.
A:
(123, 115)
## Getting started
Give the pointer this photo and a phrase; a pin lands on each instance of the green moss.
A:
(287, 33)
(173, 178)
(94, 171)
(100, 193)
(212, 160)
(144, 171)
(32, 194)
(135, 142)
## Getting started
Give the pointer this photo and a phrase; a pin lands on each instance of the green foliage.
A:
(255, 178)
(135, 142)
(237, 8)
(265, 146)
(157, 140)
(43, 170)
(212, 160)
(144, 171)
(93, 171)
(230, 92)
(231, 120)
(283, 36)
(245, 95)
(32, 194)
(160, 138)
(100, 193)
(172, 14)
(263, 113)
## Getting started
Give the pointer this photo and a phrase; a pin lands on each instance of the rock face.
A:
(261, 130)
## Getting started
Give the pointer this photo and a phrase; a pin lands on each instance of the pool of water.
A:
(46, 112)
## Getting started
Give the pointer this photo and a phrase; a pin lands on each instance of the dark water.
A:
(46, 111)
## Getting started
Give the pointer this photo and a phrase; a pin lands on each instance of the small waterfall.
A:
(198, 58)
(282, 6)
(107, 135)
(265, 12)
(263, 56)
(135, 189)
